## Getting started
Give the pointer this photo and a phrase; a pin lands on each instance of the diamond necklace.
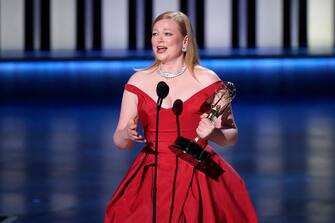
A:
(170, 75)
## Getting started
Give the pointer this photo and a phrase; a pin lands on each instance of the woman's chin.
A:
(161, 58)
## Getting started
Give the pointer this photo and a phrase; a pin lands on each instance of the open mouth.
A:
(161, 49)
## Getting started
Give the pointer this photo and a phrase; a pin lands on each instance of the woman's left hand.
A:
(205, 127)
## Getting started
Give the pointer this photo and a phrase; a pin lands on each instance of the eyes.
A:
(167, 34)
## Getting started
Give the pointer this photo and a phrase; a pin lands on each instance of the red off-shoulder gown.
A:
(184, 194)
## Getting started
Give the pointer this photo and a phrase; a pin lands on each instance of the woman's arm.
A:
(126, 131)
(222, 131)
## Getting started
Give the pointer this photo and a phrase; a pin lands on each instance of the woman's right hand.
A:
(132, 131)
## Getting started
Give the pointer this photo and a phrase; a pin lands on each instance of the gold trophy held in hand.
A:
(191, 150)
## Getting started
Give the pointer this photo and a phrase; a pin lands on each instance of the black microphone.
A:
(162, 91)
(177, 107)
(177, 110)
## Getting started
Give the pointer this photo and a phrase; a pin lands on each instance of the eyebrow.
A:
(163, 29)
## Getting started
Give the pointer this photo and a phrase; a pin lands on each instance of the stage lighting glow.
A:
(124, 68)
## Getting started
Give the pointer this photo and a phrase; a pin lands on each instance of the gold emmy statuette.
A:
(191, 150)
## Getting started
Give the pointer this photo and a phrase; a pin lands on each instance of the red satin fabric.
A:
(184, 194)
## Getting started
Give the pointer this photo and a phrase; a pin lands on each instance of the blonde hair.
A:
(191, 55)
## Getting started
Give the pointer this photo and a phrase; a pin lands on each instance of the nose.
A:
(159, 37)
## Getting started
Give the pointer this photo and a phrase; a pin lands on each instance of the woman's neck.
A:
(172, 66)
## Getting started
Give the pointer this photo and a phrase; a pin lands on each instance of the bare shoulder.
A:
(205, 76)
(139, 78)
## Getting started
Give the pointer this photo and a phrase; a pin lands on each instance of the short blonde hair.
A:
(191, 55)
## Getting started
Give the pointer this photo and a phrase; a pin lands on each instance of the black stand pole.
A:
(154, 201)
(162, 91)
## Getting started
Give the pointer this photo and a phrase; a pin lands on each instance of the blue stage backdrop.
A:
(103, 81)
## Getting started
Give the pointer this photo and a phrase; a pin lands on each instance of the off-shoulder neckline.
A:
(188, 99)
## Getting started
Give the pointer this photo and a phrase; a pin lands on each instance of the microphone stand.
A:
(159, 103)
(162, 91)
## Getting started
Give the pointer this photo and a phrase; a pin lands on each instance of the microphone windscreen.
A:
(177, 107)
(162, 90)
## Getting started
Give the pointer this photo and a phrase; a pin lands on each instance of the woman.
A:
(184, 194)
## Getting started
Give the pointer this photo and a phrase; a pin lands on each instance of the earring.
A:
(183, 49)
